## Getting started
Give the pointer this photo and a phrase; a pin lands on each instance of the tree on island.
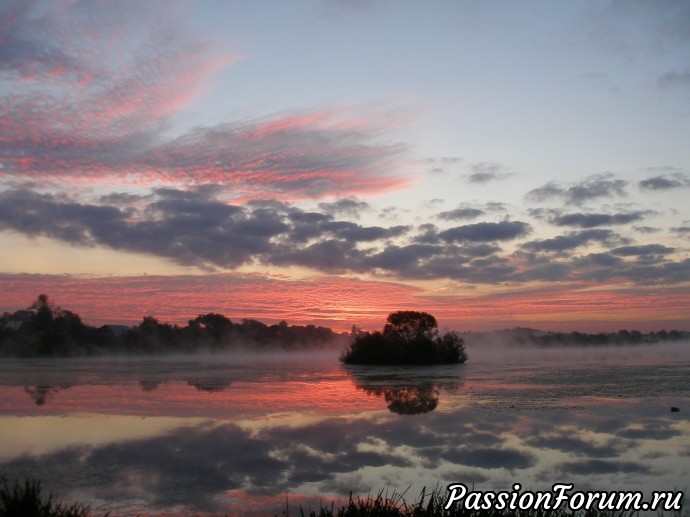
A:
(408, 337)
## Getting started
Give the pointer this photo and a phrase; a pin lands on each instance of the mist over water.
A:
(216, 434)
(647, 353)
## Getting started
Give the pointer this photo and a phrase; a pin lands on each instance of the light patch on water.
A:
(37, 435)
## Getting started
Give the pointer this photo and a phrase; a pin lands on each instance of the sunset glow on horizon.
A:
(495, 164)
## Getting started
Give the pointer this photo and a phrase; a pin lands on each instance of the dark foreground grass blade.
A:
(25, 500)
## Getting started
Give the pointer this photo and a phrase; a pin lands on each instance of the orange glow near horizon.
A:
(340, 303)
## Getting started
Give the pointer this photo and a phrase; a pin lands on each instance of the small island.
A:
(408, 337)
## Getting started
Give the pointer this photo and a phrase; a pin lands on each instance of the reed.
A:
(26, 500)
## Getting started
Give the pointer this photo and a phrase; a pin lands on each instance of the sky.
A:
(496, 164)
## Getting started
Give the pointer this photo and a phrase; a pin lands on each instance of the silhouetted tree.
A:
(44, 313)
(217, 326)
(409, 326)
(408, 337)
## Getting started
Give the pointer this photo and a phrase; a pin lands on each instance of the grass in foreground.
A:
(25, 500)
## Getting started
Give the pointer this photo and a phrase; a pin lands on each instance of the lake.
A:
(240, 435)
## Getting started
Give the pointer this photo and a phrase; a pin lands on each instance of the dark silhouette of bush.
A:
(27, 500)
(408, 337)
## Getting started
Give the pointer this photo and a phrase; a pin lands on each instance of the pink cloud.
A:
(94, 107)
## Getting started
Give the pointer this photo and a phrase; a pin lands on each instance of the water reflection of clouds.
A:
(595, 466)
(320, 431)
(566, 440)
(197, 465)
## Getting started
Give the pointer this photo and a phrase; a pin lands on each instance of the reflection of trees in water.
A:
(413, 400)
(210, 385)
(405, 393)
(201, 383)
(207, 384)
(148, 384)
(40, 393)
(409, 400)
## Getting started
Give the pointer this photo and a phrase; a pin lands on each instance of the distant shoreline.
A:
(44, 330)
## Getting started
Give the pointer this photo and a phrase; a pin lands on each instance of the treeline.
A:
(532, 337)
(44, 329)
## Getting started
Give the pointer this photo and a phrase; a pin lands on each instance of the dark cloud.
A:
(542, 213)
(490, 458)
(404, 258)
(593, 187)
(596, 466)
(332, 256)
(35, 214)
(389, 213)
(461, 213)
(646, 229)
(480, 250)
(495, 206)
(349, 207)
(545, 272)
(664, 183)
(599, 186)
(594, 220)
(675, 79)
(424, 261)
(354, 232)
(646, 249)
(192, 227)
(486, 232)
(195, 228)
(659, 272)
(599, 260)
(484, 172)
(568, 443)
(551, 189)
(122, 198)
(483, 177)
(187, 227)
(572, 240)
(643, 269)
(428, 234)
(29, 46)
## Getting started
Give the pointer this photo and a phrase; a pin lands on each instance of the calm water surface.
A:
(241, 435)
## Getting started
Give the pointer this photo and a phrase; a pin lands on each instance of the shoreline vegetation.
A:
(26, 499)
(44, 329)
